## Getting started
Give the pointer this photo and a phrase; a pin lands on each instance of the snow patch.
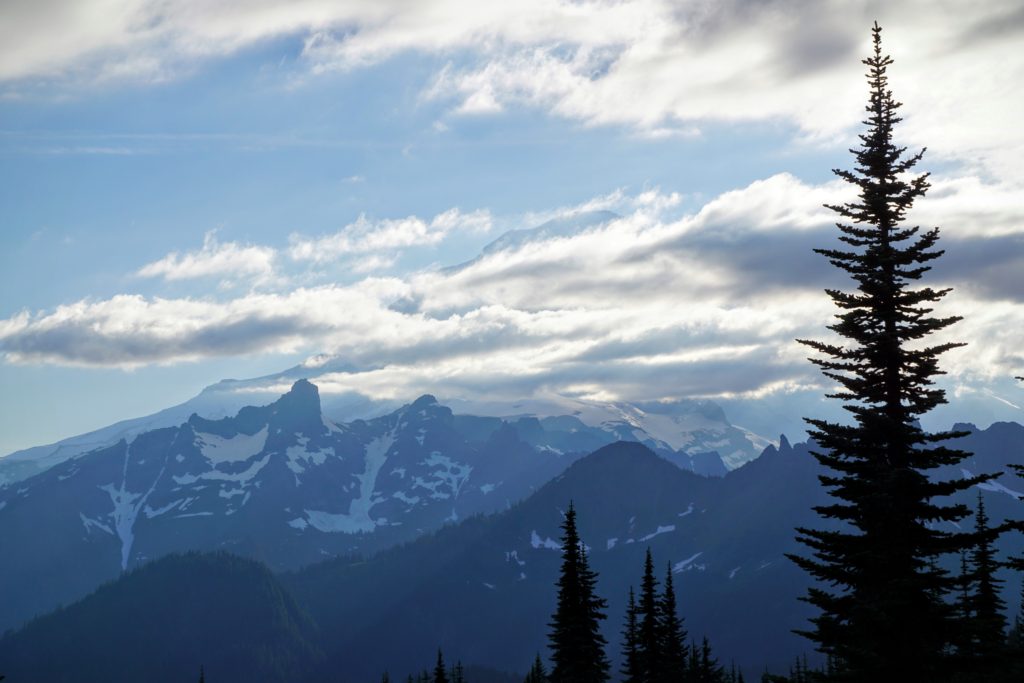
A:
(298, 523)
(994, 486)
(88, 523)
(357, 519)
(126, 508)
(685, 564)
(216, 475)
(156, 512)
(732, 574)
(408, 500)
(299, 457)
(657, 532)
(448, 473)
(689, 510)
(610, 543)
(218, 449)
(537, 542)
(513, 556)
(487, 488)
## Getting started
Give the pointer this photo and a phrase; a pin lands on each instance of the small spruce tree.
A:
(672, 637)
(649, 614)
(989, 623)
(440, 675)
(630, 643)
(577, 646)
(537, 673)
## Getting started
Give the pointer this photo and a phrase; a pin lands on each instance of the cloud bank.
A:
(643, 306)
(656, 67)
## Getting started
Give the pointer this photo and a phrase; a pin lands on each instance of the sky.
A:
(198, 190)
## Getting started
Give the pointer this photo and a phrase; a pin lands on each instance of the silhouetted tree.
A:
(988, 627)
(630, 643)
(202, 675)
(702, 666)
(672, 637)
(577, 646)
(649, 615)
(385, 678)
(877, 595)
(440, 675)
(537, 673)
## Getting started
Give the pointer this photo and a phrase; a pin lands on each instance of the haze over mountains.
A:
(374, 528)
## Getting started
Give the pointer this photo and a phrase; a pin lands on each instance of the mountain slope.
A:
(483, 589)
(281, 483)
(165, 620)
(486, 587)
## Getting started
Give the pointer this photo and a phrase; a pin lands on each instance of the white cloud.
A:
(364, 235)
(215, 259)
(645, 306)
(655, 66)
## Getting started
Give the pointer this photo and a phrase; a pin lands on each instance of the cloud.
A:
(215, 259)
(644, 306)
(656, 67)
(364, 235)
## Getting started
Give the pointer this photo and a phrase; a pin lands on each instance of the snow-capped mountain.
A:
(287, 485)
(723, 538)
(692, 427)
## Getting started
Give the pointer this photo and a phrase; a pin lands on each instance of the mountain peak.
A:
(424, 401)
(301, 401)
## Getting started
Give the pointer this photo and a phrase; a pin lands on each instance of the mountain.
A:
(562, 226)
(693, 429)
(284, 484)
(724, 538)
(483, 589)
(162, 622)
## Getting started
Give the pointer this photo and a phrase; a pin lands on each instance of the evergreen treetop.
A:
(672, 638)
(577, 646)
(881, 616)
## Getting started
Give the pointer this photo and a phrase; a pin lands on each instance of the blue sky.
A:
(192, 191)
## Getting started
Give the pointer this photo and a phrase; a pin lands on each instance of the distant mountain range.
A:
(286, 485)
(481, 588)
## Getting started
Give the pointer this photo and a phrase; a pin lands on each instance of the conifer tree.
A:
(537, 673)
(440, 675)
(458, 673)
(385, 678)
(989, 627)
(1015, 640)
(202, 675)
(672, 637)
(577, 646)
(878, 613)
(630, 643)
(702, 666)
(649, 642)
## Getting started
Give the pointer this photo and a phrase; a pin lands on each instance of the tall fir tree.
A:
(577, 646)
(202, 675)
(440, 675)
(989, 622)
(537, 673)
(702, 666)
(876, 595)
(630, 643)
(672, 646)
(649, 615)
